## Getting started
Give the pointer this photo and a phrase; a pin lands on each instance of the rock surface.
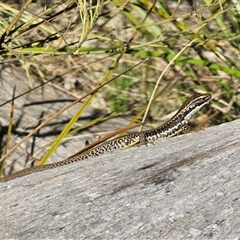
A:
(186, 187)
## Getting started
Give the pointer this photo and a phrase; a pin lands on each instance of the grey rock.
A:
(185, 187)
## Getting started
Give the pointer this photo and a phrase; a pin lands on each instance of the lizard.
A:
(172, 127)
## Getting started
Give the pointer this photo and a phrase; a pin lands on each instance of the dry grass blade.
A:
(16, 19)
(89, 14)
(9, 132)
(160, 78)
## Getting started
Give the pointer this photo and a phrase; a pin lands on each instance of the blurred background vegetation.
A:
(157, 52)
